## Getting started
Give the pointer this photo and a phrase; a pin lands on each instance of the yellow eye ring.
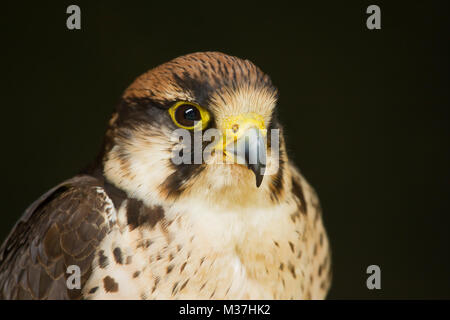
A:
(188, 115)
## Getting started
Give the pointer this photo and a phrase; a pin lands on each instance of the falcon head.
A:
(212, 111)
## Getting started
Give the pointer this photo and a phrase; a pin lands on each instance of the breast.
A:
(193, 254)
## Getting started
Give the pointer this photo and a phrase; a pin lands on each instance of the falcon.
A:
(138, 225)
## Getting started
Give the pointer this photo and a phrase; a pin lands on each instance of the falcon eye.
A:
(188, 115)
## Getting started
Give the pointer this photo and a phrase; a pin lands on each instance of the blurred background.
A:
(366, 112)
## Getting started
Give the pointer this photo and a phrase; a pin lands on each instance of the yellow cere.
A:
(234, 127)
(240, 123)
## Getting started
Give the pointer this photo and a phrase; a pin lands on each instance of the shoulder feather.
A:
(62, 228)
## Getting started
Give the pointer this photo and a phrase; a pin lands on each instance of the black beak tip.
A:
(258, 170)
(259, 179)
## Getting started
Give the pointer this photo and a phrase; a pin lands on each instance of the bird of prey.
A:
(137, 225)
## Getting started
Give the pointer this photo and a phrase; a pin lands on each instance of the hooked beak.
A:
(243, 143)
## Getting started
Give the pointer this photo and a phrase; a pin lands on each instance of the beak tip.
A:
(259, 174)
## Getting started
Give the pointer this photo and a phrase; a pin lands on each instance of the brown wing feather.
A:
(61, 228)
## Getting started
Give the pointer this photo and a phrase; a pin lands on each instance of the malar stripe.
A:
(298, 192)
(174, 185)
(277, 182)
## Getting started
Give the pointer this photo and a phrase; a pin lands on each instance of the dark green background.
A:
(366, 112)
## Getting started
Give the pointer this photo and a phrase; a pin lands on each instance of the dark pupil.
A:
(186, 115)
(191, 114)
